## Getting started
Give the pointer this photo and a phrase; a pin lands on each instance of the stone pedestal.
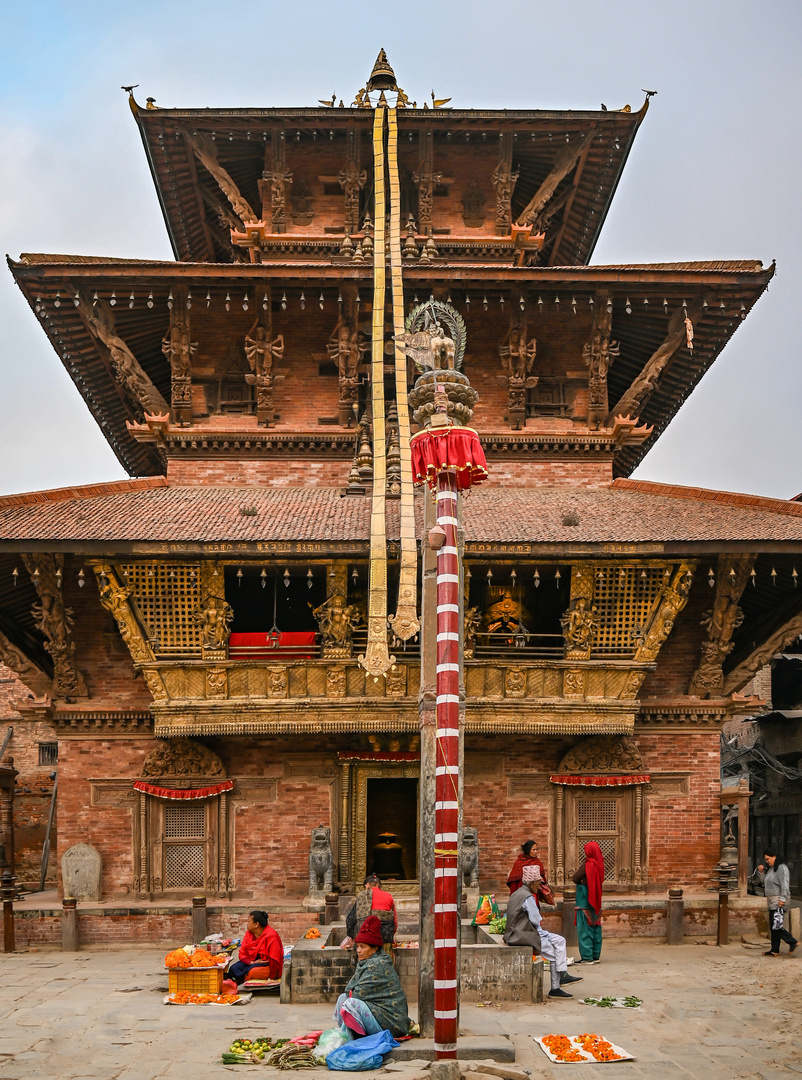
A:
(69, 924)
(675, 914)
(569, 915)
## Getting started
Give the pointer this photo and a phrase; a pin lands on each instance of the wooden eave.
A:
(44, 279)
(242, 134)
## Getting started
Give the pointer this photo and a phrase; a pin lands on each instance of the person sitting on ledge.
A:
(373, 900)
(525, 927)
(373, 1000)
(261, 949)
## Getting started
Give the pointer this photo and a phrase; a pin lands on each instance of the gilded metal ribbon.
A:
(405, 622)
(376, 659)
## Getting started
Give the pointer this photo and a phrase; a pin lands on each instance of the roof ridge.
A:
(732, 498)
(87, 491)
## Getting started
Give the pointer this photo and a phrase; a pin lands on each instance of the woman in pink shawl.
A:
(589, 879)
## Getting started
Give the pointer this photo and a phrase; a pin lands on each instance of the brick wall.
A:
(269, 840)
(682, 831)
(33, 788)
(171, 927)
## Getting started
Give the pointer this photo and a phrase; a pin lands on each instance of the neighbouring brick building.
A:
(196, 630)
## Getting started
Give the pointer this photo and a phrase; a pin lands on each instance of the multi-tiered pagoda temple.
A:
(198, 628)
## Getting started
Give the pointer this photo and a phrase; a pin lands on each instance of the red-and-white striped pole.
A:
(446, 889)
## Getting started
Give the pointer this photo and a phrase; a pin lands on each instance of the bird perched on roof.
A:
(329, 104)
(648, 93)
(150, 103)
(129, 89)
(603, 107)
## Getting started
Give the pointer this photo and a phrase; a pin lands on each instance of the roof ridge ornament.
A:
(382, 77)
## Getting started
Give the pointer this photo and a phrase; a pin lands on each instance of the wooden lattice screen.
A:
(167, 596)
(184, 835)
(624, 598)
(596, 819)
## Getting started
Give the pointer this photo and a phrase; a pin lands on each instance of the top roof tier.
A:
(484, 173)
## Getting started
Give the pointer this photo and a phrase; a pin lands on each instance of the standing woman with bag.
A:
(777, 890)
(589, 879)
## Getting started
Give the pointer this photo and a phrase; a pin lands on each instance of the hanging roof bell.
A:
(382, 77)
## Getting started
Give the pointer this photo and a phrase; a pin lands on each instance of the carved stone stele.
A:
(184, 758)
(614, 754)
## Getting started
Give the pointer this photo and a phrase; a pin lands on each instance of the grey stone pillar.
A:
(675, 913)
(198, 919)
(69, 924)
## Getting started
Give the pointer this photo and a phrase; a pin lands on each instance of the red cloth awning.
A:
(436, 449)
(183, 793)
(380, 755)
(299, 645)
(600, 781)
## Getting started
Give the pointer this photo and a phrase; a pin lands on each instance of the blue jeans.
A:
(361, 1013)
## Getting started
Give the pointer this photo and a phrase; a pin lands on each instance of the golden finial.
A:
(382, 77)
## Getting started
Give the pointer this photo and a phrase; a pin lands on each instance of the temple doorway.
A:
(392, 828)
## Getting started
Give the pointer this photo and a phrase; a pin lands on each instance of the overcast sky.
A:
(714, 172)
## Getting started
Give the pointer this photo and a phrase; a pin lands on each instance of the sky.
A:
(713, 174)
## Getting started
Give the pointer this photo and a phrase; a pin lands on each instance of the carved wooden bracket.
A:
(205, 151)
(781, 637)
(673, 600)
(29, 672)
(55, 621)
(99, 321)
(563, 163)
(635, 398)
(721, 622)
(116, 599)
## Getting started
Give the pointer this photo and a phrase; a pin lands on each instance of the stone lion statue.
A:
(321, 862)
(470, 858)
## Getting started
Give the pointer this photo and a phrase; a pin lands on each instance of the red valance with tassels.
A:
(184, 793)
(600, 781)
(436, 449)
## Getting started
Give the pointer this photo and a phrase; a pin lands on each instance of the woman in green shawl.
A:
(373, 1000)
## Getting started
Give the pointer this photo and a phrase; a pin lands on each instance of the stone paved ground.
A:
(708, 1013)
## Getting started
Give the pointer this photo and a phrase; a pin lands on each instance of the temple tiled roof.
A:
(626, 512)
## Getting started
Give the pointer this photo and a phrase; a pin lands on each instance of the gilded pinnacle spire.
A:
(382, 77)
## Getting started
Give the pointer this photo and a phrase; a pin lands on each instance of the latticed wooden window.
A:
(625, 598)
(167, 596)
(184, 846)
(594, 819)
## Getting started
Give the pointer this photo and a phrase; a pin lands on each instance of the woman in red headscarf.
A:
(589, 879)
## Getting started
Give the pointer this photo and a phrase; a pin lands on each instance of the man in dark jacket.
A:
(525, 927)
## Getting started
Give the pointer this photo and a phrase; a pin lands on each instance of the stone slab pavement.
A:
(708, 1013)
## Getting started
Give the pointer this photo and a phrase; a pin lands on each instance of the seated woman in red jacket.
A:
(261, 948)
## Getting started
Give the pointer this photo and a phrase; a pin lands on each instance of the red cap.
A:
(370, 932)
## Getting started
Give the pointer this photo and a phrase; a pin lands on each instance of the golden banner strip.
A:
(376, 660)
(405, 622)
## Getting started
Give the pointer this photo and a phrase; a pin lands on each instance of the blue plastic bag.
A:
(360, 1054)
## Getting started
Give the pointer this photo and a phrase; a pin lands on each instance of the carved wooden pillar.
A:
(179, 349)
(504, 182)
(345, 868)
(636, 837)
(559, 838)
(144, 868)
(222, 847)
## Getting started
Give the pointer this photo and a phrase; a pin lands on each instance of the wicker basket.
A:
(196, 980)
